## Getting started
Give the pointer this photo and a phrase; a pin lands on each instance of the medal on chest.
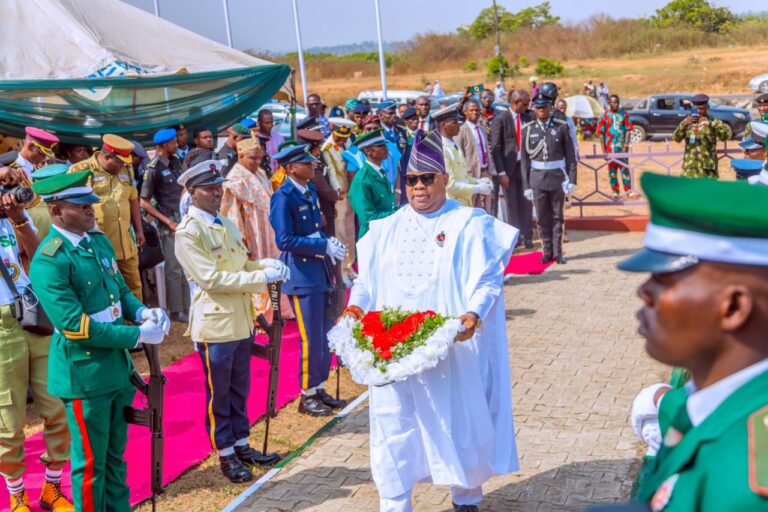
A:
(440, 239)
(663, 494)
(111, 267)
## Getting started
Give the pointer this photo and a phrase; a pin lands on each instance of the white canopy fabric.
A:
(44, 39)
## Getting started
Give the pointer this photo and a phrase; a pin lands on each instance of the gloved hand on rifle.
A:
(156, 315)
(150, 333)
(335, 249)
(281, 268)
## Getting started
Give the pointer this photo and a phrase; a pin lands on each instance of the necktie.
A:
(85, 244)
(218, 221)
(483, 152)
(308, 195)
(517, 131)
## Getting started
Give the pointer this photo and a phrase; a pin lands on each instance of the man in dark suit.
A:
(548, 165)
(506, 130)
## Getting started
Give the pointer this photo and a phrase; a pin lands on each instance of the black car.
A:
(657, 116)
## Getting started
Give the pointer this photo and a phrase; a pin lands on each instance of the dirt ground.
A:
(715, 71)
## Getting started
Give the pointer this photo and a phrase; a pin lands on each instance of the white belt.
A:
(547, 166)
(108, 314)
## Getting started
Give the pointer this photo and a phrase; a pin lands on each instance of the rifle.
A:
(271, 353)
(152, 415)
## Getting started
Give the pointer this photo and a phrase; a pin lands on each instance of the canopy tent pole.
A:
(382, 65)
(157, 8)
(302, 69)
(226, 22)
(293, 104)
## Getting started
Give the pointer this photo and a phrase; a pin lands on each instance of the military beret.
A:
(8, 158)
(700, 99)
(49, 171)
(164, 135)
(207, 172)
(71, 187)
(122, 148)
(248, 123)
(241, 129)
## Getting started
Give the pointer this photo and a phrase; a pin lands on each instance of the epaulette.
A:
(153, 162)
(529, 123)
(560, 121)
(51, 246)
(757, 452)
(327, 146)
(188, 225)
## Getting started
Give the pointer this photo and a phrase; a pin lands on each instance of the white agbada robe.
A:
(451, 425)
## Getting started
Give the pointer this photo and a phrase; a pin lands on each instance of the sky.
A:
(268, 24)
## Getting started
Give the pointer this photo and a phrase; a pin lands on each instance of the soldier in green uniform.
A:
(705, 309)
(371, 194)
(700, 133)
(76, 278)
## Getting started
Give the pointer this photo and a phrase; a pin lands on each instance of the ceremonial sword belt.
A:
(547, 166)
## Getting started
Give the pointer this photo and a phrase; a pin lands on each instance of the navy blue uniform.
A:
(296, 220)
(399, 136)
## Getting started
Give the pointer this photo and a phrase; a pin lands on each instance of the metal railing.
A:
(652, 160)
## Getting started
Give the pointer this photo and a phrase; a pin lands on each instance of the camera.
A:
(695, 112)
(20, 193)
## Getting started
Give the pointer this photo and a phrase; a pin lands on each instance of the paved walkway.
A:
(576, 362)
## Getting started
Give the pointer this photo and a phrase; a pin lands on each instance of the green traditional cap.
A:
(49, 171)
(72, 187)
(372, 138)
(695, 220)
(241, 129)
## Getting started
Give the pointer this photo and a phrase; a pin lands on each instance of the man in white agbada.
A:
(451, 425)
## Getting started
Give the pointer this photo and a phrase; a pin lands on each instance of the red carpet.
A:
(186, 441)
(528, 263)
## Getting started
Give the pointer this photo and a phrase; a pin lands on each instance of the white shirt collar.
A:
(470, 123)
(73, 238)
(301, 188)
(448, 141)
(375, 167)
(207, 217)
(702, 403)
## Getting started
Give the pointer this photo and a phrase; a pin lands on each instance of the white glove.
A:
(156, 315)
(335, 249)
(568, 187)
(484, 188)
(277, 265)
(651, 434)
(528, 194)
(150, 333)
(273, 275)
(645, 412)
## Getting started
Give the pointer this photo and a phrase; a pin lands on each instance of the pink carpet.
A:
(527, 263)
(186, 441)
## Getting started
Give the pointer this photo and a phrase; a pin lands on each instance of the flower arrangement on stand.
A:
(391, 345)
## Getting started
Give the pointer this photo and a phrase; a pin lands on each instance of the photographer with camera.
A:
(700, 133)
(26, 362)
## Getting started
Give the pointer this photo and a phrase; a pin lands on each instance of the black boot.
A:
(313, 406)
(560, 259)
(546, 258)
(251, 458)
(465, 508)
(329, 400)
(234, 469)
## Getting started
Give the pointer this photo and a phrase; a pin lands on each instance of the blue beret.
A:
(164, 135)
(248, 122)
(387, 105)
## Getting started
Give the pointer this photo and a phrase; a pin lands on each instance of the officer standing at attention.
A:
(310, 255)
(212, 252)
(161, 183)
(75, 276)
(548, 165)
(705, 308)
(25, 364)
(118, 211)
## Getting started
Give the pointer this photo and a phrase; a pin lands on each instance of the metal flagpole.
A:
(157, 8)
(226, 21)
(382, 66)
(302, 69)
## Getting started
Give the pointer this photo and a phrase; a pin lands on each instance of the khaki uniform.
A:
(113, 214)
(461, 186)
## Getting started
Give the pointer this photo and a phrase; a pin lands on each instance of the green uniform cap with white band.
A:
(695, 220)
(72, 187)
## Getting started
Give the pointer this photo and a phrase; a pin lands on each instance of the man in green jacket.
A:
(705, 309)
(371, 194)
(76, 278)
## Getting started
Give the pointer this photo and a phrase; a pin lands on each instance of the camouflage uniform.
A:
(700, 159)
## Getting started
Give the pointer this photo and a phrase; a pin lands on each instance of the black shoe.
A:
(329, 400)
(250, 457)
(561, 260)
(465, 508)
(313, 406)
(528, 243)
(546, 259)
(234, 469)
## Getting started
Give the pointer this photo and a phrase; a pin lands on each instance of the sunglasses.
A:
(427, 179)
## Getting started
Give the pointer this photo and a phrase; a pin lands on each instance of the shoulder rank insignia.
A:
(757, 452)
(51, 246)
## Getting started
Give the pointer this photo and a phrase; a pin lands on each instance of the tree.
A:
(698, 14)
(533, 17)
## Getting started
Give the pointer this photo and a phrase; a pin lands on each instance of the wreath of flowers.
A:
(392, 345)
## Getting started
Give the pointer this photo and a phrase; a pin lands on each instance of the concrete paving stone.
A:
(576, 364)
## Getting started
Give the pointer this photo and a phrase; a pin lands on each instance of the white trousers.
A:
(459, 495)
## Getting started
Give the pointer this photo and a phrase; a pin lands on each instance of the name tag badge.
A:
(553, 132)
(97, 179)
(124, 178)
(534, 135)
(166, 172)
(303, 208)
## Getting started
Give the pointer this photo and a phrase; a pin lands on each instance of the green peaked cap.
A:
(372, 138)
(72, 187)
(700, 219)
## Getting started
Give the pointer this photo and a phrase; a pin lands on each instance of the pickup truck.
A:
(657, 116)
